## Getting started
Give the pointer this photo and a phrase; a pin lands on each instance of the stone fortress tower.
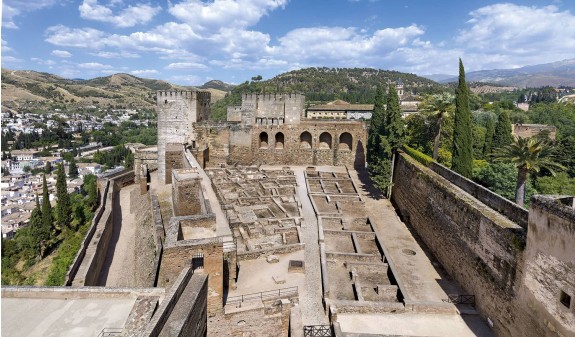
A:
(268, 109)
(177, 113)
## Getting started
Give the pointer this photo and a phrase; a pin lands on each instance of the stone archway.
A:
(325, 140)
(345, 141)
(279, 140)
(305, 140)
(263, 140)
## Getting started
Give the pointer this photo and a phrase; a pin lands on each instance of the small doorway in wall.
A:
(279, 141)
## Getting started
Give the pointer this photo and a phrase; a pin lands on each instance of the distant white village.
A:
(22, 170)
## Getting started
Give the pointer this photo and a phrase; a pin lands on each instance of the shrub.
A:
(417, 155)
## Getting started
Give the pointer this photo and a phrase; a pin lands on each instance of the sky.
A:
(190, 42)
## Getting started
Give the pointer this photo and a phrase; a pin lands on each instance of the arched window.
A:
(279, 140)
(263, 140)
(305, 140)
(325, 141)
(345, 141)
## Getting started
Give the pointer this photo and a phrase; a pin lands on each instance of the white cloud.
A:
(213, 15)
(115, 55)
(94, 66)
(187, 65)
(127, 17)
(5, 47)
(144, 72)
(186, 80)
(13, 8)
(61, 53)
(43, 61)
(513, 35)
(11, 60)
(88, 38)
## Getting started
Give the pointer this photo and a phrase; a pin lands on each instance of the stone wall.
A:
(550, 266)
(477, 246)
(187, 196)
(212, 143)
(145, 156)
(174, 160)
(178, 256)
(177, 112)
(308, 143)
(508, 208)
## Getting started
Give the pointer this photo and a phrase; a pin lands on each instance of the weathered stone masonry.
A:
(484, 251)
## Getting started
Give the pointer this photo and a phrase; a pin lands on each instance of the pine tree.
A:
(462, 161)
(47, 221)
(63, 207)
(502, 135)
(73, 169)
(489, 132)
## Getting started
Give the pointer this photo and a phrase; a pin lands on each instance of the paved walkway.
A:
(118, 270)
(310, 298)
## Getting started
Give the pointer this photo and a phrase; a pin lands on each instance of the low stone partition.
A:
(284, 249)
(504, 206)
(428, 307)
(159, 235)
(183, 311)
(78, 293)
(366, 307)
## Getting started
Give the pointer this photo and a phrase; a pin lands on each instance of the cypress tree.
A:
(63, 207)
(462, 161)
(47, 221)
(502, 136)
(394, 127)
(48, 167)
(73, 169)
(489, 132)
(376, 126)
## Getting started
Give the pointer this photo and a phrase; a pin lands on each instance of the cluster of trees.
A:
(58, 229)
(386, 136)
(119, 155)
(480, 144)
(126, 132)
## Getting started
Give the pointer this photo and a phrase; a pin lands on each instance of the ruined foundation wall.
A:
(477, 246)
(212, 143)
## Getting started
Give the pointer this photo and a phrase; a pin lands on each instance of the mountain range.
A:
(555, 74)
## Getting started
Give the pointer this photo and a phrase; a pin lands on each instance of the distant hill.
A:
(116, 90)
(555, 74)
(218, 85)
(354, 85)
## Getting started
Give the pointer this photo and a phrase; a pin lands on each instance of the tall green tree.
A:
(47, 221)
(502, 135)
(462, 160)
(489, 132)
(438, 105)
(528, 155)
(48, 167)
(73, 169)
(63, 207)
(394, 127)
(376, 124)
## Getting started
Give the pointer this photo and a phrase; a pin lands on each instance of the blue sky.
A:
(191, 41)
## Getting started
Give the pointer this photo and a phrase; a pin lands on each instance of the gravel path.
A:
(118, 270)
(310, 298)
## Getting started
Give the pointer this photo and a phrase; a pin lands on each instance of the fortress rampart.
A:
(487, 253)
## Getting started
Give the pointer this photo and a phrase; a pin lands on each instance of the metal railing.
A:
(317, 331)
(109, 332)
(461, 299)
(264, 295)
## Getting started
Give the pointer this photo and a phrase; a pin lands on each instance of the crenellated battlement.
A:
(191, 94)
(273, 98)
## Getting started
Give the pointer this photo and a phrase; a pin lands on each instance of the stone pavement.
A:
(310, 298)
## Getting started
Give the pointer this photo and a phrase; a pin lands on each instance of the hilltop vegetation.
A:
(354, 85)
